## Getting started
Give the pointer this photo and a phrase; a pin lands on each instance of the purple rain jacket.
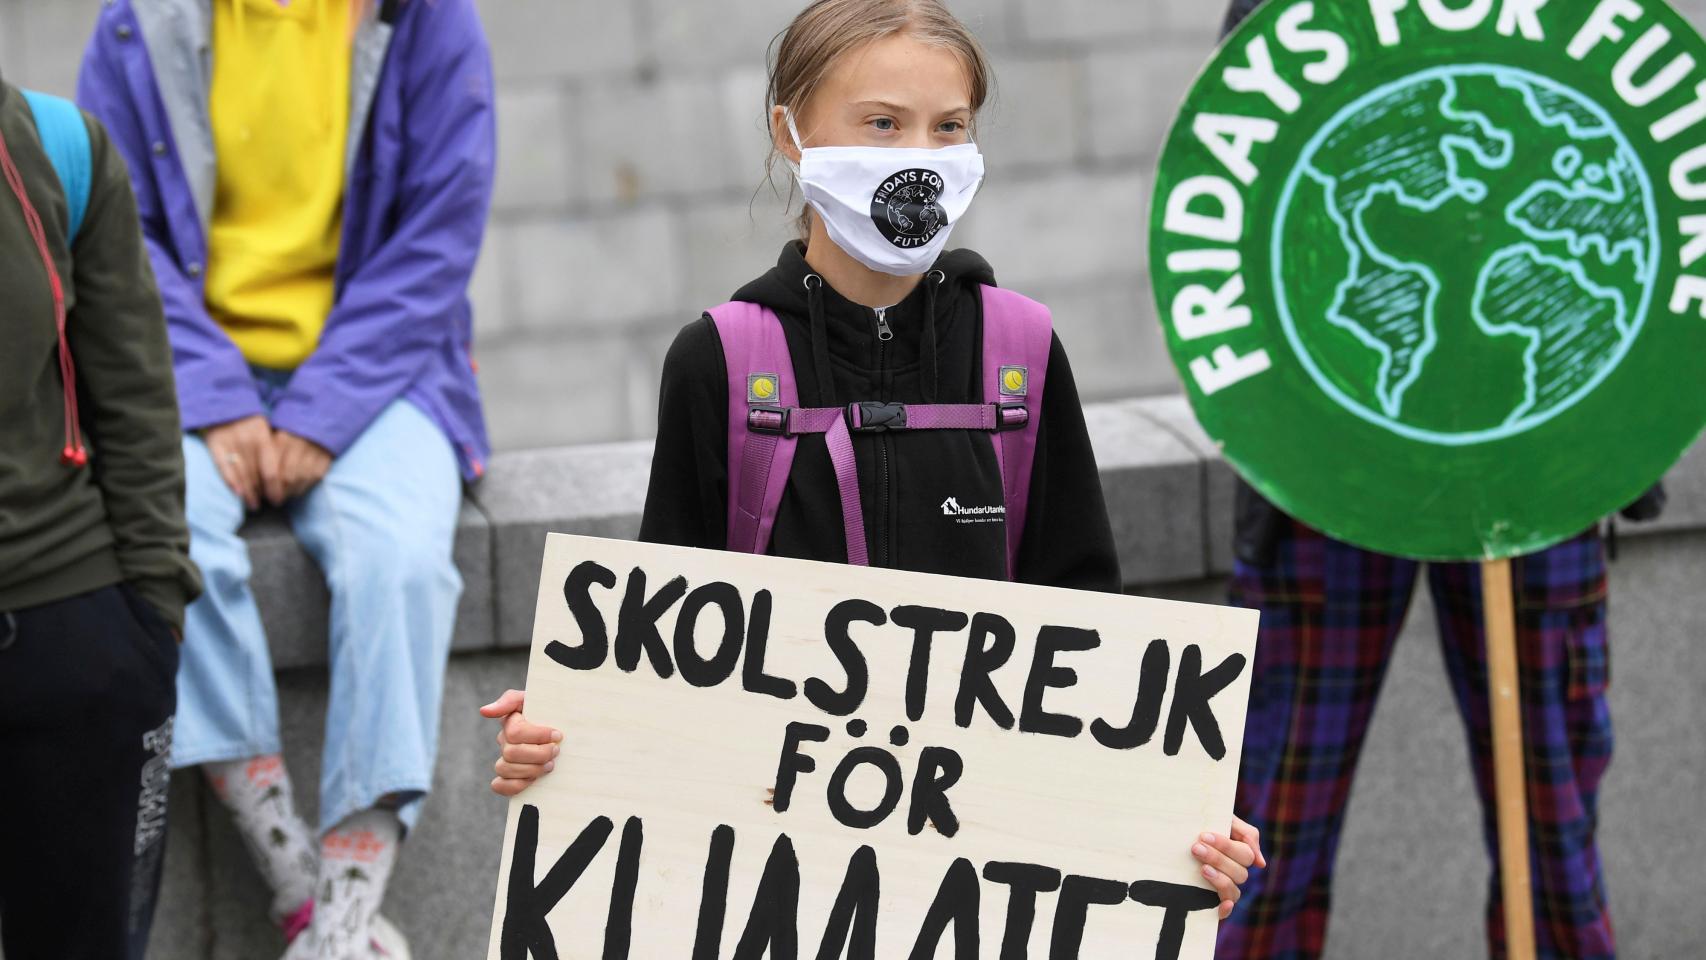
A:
(417, 188)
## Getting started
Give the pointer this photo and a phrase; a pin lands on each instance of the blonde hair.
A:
(802, 55)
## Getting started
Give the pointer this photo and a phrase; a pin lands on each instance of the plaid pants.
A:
(1330, 614)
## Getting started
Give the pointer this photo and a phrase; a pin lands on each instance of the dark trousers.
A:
(86, 702)
(1330, 616)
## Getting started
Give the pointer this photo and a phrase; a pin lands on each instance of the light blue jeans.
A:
(380, 525)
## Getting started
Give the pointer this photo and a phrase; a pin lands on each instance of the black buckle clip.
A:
(876, 417)
(768, 420)
(1011, 416)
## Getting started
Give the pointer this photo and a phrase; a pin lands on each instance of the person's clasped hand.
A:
(259, 463)
(528, 751)
(301, 464)
(244, 454)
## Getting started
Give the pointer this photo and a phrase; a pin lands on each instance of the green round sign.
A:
(1434, 271)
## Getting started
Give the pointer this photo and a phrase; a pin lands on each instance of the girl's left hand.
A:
(529, 751)
(1227, 861)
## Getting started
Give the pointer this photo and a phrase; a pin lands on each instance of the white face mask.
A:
(890, 208)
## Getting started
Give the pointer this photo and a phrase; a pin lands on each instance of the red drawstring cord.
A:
(74, 453)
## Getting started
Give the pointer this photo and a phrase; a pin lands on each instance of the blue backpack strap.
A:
(65, 138)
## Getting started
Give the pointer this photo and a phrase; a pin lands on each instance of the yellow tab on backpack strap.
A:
(763, 388)
(1015, 381)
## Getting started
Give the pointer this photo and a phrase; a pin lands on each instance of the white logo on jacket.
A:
(951, 508)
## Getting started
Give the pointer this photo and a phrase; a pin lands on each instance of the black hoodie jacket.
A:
(904, 478)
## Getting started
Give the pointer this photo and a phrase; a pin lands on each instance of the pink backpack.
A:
(766, 420)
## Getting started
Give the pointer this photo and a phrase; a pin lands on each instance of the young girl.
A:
(873, 109)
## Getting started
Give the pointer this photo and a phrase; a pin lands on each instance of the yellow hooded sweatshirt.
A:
(280, 110)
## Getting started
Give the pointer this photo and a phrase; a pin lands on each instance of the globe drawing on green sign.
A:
(1556, 301)
(1434, 274)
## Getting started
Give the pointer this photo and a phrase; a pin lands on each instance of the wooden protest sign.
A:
(762, 755)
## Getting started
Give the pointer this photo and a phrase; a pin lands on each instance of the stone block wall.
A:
(631, 188)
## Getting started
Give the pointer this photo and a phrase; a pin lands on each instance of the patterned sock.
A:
(356, 858)
(257, 792)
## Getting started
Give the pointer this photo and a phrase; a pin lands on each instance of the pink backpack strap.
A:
(761, 374)
(1017, 335)
(766, 420)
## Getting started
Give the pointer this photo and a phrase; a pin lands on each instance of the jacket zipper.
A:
(880, 556)
(885, 333)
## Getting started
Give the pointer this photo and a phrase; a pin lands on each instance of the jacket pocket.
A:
(1562, 592)
(1590, 665)
(158, 644)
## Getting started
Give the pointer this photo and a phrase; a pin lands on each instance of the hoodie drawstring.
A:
(74, 453)
(820, 337)
(932, 280)
(820, 340)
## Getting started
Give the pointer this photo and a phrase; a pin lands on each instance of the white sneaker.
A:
(387, 941)
(302, 947)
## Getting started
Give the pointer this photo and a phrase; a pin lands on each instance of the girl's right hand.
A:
(527, 751)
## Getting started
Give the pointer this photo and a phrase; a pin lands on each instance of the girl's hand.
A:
(1227, 860)
(528, 751)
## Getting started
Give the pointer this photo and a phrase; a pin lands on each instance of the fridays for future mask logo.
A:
(1434, 271)
(906, 210)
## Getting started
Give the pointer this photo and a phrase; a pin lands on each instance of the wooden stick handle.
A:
(1509, 782)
